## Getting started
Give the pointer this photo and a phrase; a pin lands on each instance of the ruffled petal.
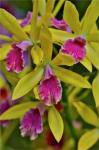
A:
(50, 89)
(75, 47)
(31, 124)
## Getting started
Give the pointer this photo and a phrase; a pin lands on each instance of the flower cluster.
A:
(38, 60)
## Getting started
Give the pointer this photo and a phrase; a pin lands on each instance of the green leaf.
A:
(93, 37)
(93, 56)
(86, 113)
(90, 16)
(46, 42)
(59, 36)
(62, 59)
(95, 90)
(4, 50)
(55, 123)
(71, 16)
(11, 24)
(88, 139)
(87, 64)
(42, 7)
(27, 83)
(17, 111)
(70, 77)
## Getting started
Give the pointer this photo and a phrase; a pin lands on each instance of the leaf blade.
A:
(88, 139)
(70, 14)
(70, 77)
(86, 113)
(11, 24)
(95, 90)
(55, 123)
(27, 83)
(17, 111)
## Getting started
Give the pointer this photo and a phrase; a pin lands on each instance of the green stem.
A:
(68, 116)
(1, 143)
(8, 131)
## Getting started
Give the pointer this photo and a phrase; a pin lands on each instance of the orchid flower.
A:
(85, 29)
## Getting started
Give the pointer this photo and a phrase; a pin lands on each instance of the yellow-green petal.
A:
(17, 111)
(5, 38)
(63, 59)
(58, 7)
(95, 90)
(4, 50)
(56, 123)
(27, 83)
(70, 77)
(42, 7)
(87, 64)
(90, 16)
(92, 55)
(46, 42)
(34, 20)
(59, 36)
(88, 139)
(11, 24)
(71, 16)
(93, 37)
(86, 113)
(37, 55)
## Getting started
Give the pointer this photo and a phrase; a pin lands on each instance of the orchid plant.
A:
(38, 71)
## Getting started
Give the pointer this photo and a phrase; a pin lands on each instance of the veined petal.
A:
(75, 48)
(50, 89)
(60, 24)
(31, 124)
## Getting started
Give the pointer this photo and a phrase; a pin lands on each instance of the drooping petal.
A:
(31, 124)
(50, 89)
(18, 58)
(24, 45)
(75, 47)
(60, 24)
(14, 60)
(27, 20)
